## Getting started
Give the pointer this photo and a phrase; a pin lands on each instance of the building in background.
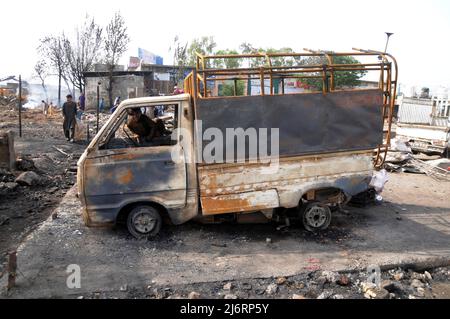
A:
(425, 122)
(150, 80)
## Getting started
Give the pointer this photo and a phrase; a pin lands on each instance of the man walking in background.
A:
(50, 108)
(81, 105)
(69, 111)
(101, 104)
(45, 107)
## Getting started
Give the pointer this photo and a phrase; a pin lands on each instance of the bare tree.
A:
(41, 71)
(180, 58)
(51, 49)
(116, 44)
(83, 52)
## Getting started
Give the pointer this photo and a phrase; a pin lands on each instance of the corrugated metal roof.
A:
(440, 121)
(417, 111)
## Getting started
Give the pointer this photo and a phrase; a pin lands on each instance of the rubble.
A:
(246, 286)
(417, 283)
(9, 186)
(367, 286)
(381, 293)
(124, 288)
(428, 276)
(28, 178)
(194, 295)
(281, 280)
(28, 202)
(3, 220)
(271, 289)
(343, 280)
(325, 295)
(401, 159)
(228, 286)
(330, 276)
(25, 164)
(6, 176)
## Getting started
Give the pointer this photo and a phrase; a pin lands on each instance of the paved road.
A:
(412, 224)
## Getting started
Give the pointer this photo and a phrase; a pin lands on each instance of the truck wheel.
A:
(144, 221)
(315, 216)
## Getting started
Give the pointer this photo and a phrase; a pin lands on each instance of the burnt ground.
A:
(23, 208)
(411, 226)
(410, 229)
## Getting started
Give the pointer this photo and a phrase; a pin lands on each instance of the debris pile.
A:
(86, 127)
(395, 283)
(8, 100)
(401, 159)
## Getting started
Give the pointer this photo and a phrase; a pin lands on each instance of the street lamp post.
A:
(387, 40)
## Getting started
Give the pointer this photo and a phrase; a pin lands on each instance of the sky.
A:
(420, 42)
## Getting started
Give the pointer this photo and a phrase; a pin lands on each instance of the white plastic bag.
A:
(378, 180)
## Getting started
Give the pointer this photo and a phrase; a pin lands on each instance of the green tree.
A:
(204, 46)
(226, 63)
(248, 48)
(341, 78)
(228, 88)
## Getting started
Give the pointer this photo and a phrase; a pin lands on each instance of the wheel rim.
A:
(316, 216)
(144, 222)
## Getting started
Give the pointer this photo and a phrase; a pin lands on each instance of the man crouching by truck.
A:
(145, 128)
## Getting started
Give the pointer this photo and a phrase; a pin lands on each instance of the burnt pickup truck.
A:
(267, 152)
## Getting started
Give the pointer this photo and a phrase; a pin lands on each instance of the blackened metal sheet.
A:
(308, 123)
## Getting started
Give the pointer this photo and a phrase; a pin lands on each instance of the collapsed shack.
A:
(400, 158)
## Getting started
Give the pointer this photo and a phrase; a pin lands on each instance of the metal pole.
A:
(387, 40)
(98, 101)
(20, 105)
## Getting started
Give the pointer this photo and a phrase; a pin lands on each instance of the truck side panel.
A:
(236, 187)
(308, 123)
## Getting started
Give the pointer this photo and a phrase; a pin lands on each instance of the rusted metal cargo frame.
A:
(196, 82)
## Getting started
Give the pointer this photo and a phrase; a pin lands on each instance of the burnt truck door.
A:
(122, 170)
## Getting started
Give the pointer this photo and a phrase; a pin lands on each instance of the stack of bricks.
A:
(7, 154)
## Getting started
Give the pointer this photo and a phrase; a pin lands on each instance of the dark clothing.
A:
(69, 111)
(158, 111)
(141, 125)
(82, 100)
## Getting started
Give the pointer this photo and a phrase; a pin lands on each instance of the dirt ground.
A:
(410, 228)
(48, 154)
(406, 235)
